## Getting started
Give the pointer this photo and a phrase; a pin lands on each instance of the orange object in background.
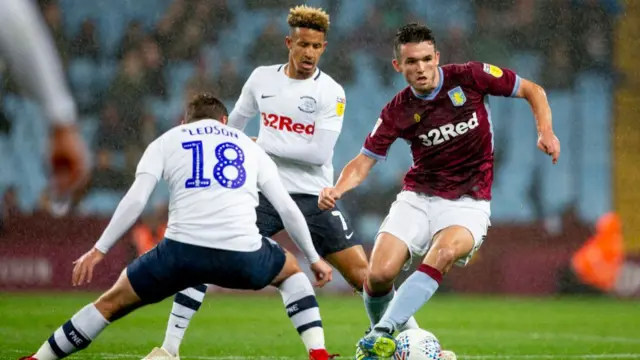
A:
(145, 238)
(598, 261)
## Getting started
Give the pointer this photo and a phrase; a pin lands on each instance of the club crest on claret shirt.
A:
(457, 96)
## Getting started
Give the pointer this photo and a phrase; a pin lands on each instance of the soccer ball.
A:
(417, 344)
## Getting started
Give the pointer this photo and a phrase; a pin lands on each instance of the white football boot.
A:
(160, 354)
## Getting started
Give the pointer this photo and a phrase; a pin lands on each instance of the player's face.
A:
(418, 62)
(305, 48)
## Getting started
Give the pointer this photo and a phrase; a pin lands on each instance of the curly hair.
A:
(303, 16)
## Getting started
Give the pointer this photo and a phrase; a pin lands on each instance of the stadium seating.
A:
(582, 115)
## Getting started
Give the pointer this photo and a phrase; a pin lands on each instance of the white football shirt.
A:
(213, 172)
(291, 111)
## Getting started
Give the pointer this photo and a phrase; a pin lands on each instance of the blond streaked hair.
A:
(303, 16)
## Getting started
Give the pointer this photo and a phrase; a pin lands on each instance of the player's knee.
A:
(109, 304)
(118, 301)
(380, 278)
(291, 264)
(290, 268)
(446, 257)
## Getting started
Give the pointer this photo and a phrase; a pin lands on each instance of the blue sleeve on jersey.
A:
(516, 86)
(372, 155)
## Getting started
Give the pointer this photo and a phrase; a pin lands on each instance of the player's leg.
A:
(404, 231)
(187, 302)
(459, 227)
(271, 265)
(335, 240)
(301, 304)
(352, 264)
(449, 245)
(146, 280)
(85, 325)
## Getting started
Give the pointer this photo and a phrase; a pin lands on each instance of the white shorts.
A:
(416, 218)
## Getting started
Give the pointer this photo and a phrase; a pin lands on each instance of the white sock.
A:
(302, 307)
(185, 305)
(75, 335)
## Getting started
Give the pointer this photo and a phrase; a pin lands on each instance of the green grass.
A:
(249, 327)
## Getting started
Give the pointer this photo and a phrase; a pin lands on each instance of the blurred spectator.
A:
(273, 4)
(154, 64)
(211, 16)
(268, 48)
(338, 63)
(112, 140)
(558, 71)
(106, 176)
(131, 39)
(148, 131)
(86, 42)
(376, 38)
(112, 132)
(455, 47)
(127, 92)
(222, 15)
(187, 44)
(228, 84)
(165, 29)
(53, 18)
(488, 42)
(593, 28)
(201, 81)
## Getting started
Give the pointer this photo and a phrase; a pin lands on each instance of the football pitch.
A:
(236, 327)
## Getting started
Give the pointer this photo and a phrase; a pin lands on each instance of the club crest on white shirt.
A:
(308, 104)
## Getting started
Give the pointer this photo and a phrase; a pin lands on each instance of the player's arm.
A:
(352, 175)
(495, 81)
(537, 99)
(327, 130)
(26, 45)
(129, 209)
(246, 107)
(356, 171)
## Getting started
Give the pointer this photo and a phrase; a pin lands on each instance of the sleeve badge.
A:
(493, 70)
(340, 104)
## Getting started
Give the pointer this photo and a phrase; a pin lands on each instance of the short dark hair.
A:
(412, 33)
(205, 106)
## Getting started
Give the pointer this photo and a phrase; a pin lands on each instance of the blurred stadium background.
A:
(569, 228)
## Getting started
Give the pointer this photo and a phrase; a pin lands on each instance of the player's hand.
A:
(69, 164)
(83, 269)
(322, 272)
(328, 197)
(549, 144)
